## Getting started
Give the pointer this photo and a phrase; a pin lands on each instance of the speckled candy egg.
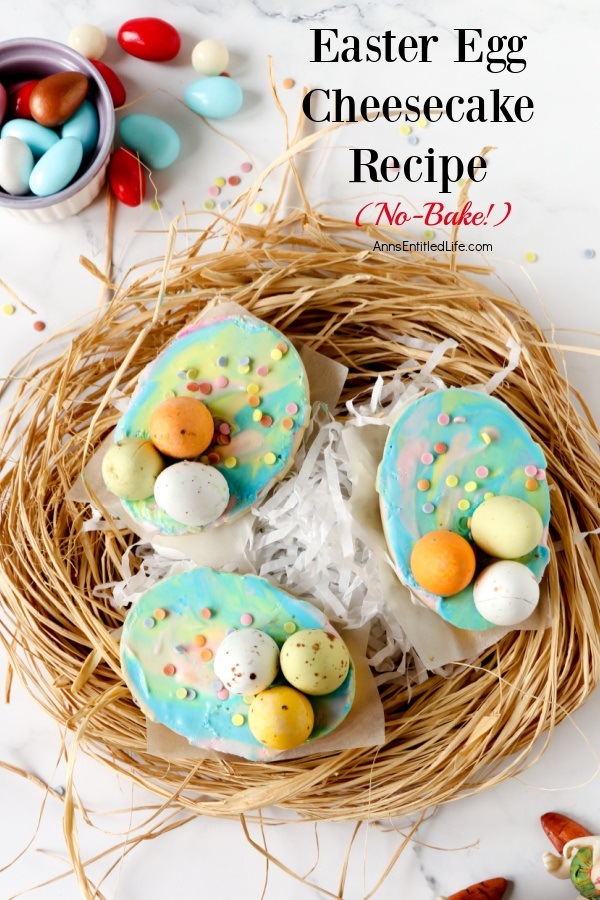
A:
(131, 467)
(506, 527)
(247, 661)
(192, 493)
(281, 718)
(506, 592)
(181, 427)
(315, 661)
(442, 562)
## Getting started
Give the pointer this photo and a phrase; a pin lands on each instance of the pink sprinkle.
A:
(246, 167)
(221, 381)
(225, 428)
(459, 419)
(214, 191)
(206, 388)
(427, 459)
(192, 386)
(541, 474)
(223, 694)
(443, 419)
(292, 409)
(246, 619)
(262, 370)
(482, 471)
(530, 471)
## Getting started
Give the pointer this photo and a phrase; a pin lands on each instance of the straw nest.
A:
(310, 277)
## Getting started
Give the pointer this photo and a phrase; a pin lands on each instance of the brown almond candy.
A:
(560, 829)
(54, 99)
(493, 889)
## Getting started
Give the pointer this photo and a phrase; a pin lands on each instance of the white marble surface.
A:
(547, 170)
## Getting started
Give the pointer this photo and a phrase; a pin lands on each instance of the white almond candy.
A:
(16, 165)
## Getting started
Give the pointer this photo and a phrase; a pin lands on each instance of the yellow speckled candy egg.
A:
(281, 718)
(315, 661)
(506, 527)
(131, 467)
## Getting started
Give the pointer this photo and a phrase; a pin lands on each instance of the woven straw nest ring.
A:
(333, 294)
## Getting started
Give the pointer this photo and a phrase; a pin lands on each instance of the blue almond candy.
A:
(155, 141)
(38, 138)
(216, 98)
(84, 126)
(57, 167)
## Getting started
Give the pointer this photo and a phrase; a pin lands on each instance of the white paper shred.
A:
(304, 536)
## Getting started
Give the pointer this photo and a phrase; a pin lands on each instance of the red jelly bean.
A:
(127, 178)
(18, 100)
(113, 82)
(149, 38)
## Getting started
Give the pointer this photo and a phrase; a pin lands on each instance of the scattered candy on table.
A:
(214, 97)
(150, 39)
(154, 139)
(210, 57)
(89, 40)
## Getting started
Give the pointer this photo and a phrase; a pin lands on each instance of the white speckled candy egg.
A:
(16, 165)
(130, 468)
(192, 493)
(89, 40)
(210, 57)
(315, 661)
(506, 592)
(247, 661)
(506, 527)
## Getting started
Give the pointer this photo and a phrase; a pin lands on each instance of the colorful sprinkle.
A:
(206, 613)
(440, 447)
(205, 388)
(243, 370)
(266, 421)
(428, 234)
(191, 694)
(223, 695)
(405, 129)
(213, 458)
(234, 180)
(248, 699)
(262, 371)
(206, 655)
(412, 140)
(220, 182)
(459, 419)
(156, 205)
(246, 167)
(451, 480)
(192, 374)
(288, 83)
(422, 123)
(427, 458)
(531, 484)
(221, 361)
(443, 419)
(198, 640)
(214, 191)
(216, 685)
(283, 347)
(289, 627)
(257, 415)
(39, 326)
(209, 204)
(230, 462)
(259, 207)
(168, 395)
(192, 386)
(287, 423)
(482, 471)
(270, 458)
(169, 669)
(182, 374)
(160, 614)
(246, 619)
(149, 622)
(292, 409)
(238, 719)
(179, 648)
(471, 486)
(489, 495)
(8, 309)
(541, 474)
(485, 437)
(225, 428)
(181, 693)
(423, 484)
(223, 440)
(276, 353)
(221, 381)
(588, 253)
(464, 504)
(253, 401)
(530, 471)
(244, 361)
(530, 256)
(253, 388)
(428, 508)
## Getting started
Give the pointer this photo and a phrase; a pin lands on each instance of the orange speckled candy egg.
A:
(181, 427)
(442, 562)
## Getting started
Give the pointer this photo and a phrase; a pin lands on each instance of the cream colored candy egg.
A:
(192, 493)
(210, 57)
(506, 527)
(130, 468)
(506, 592)
(247, 661)
(89, 40)
(281, 718)
(315, 661)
